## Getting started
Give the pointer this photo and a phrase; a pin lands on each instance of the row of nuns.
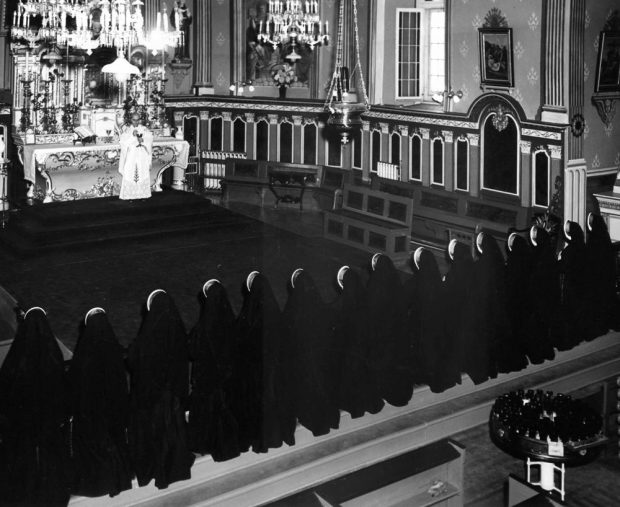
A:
(241, 382)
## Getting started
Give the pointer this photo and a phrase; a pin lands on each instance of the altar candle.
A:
(166, 21)
(159, 21)
(14, 17)
(260, 27)
(326, 27)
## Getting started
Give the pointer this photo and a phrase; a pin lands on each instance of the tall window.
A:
(217, 131)
(262, 140)
(437, 161)
(239, 135)
(501, 155)
(415, 158)
(286, 142)
(421, 50)
(310, 143)
(376, 149)
(461, 165)
(541, 178)
(395, 148)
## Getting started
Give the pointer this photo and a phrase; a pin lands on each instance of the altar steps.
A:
(89, 223)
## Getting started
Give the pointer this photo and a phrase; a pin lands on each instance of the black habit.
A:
(391, 350)
(309, 365)
(159, 368)
(356, 389)
(34, 460)
(212, 426)
(544, 291)
(265, 418)
(99, 410)
(457, 289)
(603, 305)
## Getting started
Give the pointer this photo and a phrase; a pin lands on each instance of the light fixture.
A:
(344, 114)
(293, 21)
(121, 68)
(450, 95)
(237, 88)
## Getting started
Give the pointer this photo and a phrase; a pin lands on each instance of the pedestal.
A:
(609, 204)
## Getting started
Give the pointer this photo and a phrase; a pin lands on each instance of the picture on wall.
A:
(608, 63)
(262, 60)
(496, 64)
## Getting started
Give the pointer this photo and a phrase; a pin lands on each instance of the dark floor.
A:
(119, 277)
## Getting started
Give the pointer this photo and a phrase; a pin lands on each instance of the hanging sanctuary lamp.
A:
(345, 115)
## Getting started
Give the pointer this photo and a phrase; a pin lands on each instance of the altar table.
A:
(82, 172)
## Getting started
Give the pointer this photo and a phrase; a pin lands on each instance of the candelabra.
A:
(293, 21)
(25, 122)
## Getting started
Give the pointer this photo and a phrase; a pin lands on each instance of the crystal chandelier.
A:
(344, 114)
(70, 23)
(296, 22)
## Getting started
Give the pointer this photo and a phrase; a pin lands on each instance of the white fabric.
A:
(135, 163)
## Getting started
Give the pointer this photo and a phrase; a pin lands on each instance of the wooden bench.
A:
(372, 220)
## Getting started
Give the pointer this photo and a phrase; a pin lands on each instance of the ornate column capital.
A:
(178, 117)
(448, 136)
(227, 115)
(204, 115)
(404, 130)
(426, 133)
(365, 126)
(385, 128)
(250, 117)
(526, 147)
(273, 119)
(474, 139)
(297, 120)
(555, 150)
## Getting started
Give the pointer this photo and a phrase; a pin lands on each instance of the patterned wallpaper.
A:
(601, 143)
(525, 19)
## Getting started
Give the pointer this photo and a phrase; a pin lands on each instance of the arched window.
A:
(437, 161)
(310, 132)
(334, 151)
(500, 164)
(415, 157)
(541, 172)
(216, 131)
(239, 135)
(191, 133)
(285, 142)
(461, 164)
(395, 148)
(375, 149)
(262, 140)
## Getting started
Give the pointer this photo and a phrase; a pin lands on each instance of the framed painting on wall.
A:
(496, 63)
(608, 63)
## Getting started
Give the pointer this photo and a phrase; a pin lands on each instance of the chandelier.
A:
(70, 23)
(344, 113)
(293, 21)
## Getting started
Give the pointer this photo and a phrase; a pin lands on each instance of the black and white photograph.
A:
(309, 253)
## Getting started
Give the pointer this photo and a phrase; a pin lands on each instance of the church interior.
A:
(309, 253)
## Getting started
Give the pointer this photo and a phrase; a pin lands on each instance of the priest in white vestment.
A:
(135, 160)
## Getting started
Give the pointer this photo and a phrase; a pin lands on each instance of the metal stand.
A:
(4, 202)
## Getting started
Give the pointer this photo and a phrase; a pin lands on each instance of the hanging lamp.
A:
(345, 115)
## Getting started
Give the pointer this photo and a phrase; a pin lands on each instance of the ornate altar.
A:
(62, 172)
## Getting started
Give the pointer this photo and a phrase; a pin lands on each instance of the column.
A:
(250, 134)
(273, 137)
(474, 164)
(365, 150)
(552, 63)
(448, 162)
(204, 129)
(426, 157)
(575, 63)
(575, 183)
(526, 174)
(202, 43)
(227, 131)
(404, 152)
(297, 136)
(151, 8)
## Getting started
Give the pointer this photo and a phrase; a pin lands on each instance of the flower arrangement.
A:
(284, 76)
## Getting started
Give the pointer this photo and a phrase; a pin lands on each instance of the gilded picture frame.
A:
(496, 58)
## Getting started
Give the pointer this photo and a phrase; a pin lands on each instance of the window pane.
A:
(461, 164)
(408, 84)
(286, 142)
(541, 197)
(310, 144)
(437, 162)
(414, 165)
